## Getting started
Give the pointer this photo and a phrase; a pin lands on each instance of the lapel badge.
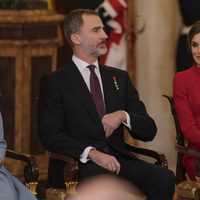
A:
(115, 82)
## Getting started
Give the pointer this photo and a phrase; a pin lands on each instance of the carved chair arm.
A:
(158, 156)
(58, 156)
(71, 171)
(31, 170)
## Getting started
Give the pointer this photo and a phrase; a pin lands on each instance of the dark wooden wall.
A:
(64, 51)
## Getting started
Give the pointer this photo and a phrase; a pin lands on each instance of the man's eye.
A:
(96, 30)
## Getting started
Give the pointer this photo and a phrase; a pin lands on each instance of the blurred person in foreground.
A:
(186, 97)
(106, 187)
(84, 108)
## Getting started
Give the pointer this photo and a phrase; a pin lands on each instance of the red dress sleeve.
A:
(185, 102)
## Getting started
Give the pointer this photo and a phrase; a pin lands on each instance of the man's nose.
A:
(104, 35)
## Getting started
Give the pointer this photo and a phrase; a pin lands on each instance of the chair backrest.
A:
(180, 143)
(179, 135)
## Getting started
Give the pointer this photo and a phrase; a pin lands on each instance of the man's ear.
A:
(75, 38)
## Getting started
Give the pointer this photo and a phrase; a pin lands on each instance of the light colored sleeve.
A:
(84, 155)
(3, 144)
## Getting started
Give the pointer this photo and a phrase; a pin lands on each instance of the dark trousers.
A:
(156, 182)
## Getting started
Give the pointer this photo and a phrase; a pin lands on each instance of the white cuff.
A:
(128, 124)
(84, 155)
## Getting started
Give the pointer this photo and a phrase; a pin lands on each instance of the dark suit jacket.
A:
(68, 119)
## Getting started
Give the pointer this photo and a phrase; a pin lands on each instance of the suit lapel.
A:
(110, 93)
(78, 86)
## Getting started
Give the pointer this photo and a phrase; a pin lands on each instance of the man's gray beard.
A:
(100, 52)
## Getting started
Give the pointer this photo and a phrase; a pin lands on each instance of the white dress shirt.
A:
(85, 72)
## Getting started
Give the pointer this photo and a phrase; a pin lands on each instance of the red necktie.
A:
(96, 93)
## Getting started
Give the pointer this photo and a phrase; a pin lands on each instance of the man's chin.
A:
(102, 51)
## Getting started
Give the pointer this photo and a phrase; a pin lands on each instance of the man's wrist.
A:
(124, 117)
(91, 153)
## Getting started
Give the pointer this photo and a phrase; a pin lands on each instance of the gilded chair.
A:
(71, 170)
(70, 174)
(186, 190)
(31, 171)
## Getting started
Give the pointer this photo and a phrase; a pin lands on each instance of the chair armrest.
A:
(187, 150)
(31, 170)
(71, 170)
(70, 173)
(62, 157)
(158, 156)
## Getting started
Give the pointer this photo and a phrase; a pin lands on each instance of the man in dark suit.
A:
(71, 122)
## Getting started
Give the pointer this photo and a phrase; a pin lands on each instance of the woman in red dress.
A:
(186, 94)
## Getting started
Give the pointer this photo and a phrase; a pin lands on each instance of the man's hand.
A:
(112, 121)
(1, 161)
(104, 160)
